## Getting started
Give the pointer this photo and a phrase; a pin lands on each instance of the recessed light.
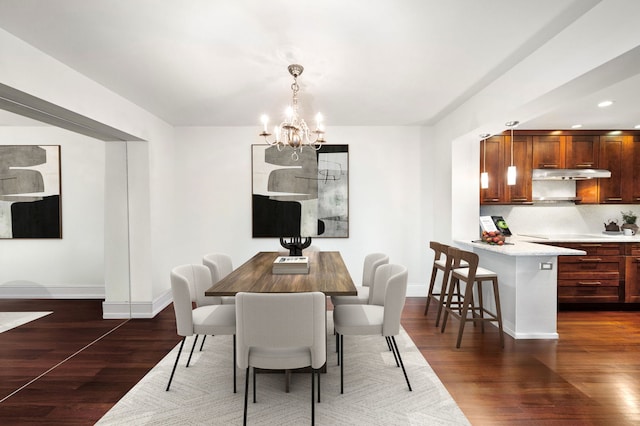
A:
(605, 104)
(637, 126)
(576, 126)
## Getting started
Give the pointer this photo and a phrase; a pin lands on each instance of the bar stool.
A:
(470, 276)
(441, 262)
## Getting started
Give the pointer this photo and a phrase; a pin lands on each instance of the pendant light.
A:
(511, 170)
(484, 176)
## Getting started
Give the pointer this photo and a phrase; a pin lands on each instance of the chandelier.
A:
(294, 131)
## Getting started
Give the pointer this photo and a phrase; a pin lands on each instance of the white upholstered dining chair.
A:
(220, 265)
(186, 282)
(281, 331)
(371, 263)
(380, 317)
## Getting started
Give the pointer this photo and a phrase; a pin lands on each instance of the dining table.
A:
(327, 274)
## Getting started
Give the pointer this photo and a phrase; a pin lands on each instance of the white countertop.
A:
(522, 247)
(578, 238)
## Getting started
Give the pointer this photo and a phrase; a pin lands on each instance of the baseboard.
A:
(31, 290)
(122, 310)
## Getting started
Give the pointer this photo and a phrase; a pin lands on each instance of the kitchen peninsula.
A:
(527, 276)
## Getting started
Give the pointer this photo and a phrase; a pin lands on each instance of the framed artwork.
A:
(308, 197)
(30, 191)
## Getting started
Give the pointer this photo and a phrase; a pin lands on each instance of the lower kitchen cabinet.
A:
(593, 278)
(632, 273)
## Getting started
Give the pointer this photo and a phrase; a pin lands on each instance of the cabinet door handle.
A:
(549, 166)
(583, 166)
(590, 245)
(591, 259)
(518, 199)
(614, 199)
(589, 283)
(491, 200)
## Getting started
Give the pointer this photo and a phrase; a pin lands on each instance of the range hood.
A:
(569, 174)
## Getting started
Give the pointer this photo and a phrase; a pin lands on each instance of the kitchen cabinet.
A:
(522, 151)
(635, 170)
(549, 152)
(632, 273)
(492, 160)
(495, 157)
(582, 151)
(612, 157)
(593, 278)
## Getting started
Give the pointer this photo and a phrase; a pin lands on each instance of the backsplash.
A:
(559, 218)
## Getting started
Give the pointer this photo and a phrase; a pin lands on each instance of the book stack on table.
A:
(284, 265)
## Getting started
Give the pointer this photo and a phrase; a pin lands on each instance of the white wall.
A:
(213, 195)
(71, 267)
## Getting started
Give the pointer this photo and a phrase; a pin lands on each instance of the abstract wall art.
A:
(30, 191)
(304, 198)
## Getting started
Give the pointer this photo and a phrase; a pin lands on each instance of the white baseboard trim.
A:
(30, 290)
(123, 310)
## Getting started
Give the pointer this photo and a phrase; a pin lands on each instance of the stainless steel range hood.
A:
(569, 174)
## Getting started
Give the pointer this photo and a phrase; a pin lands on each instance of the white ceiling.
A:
(367, 62)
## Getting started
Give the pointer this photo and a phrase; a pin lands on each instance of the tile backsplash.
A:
(559, 218)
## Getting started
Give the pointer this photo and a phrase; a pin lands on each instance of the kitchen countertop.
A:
(522, 247)
(577, 238)
(533, 244)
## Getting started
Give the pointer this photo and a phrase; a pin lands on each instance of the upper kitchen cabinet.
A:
(522, 151)
(549, 152)
(635, 169)
(492, 160)
(495, 157)
(582, 152)
(616, 155)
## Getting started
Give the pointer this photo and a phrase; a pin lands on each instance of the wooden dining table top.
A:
(327, 274)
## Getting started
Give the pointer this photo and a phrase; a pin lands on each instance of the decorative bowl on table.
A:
(495, 238)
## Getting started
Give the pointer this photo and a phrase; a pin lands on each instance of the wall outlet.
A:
(546, 266)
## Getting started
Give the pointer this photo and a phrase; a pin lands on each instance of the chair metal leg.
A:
(176, 363)
(254, 385)
(204, 337)
(246, 396)
(318, 373)
(391, 349)
(395, 345)
(338, 347)
(313, 398)
(341, 355)
(234, 364)
(192, 347)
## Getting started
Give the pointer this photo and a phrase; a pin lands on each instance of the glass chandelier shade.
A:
(294, 132)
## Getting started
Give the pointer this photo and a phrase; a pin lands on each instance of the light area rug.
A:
(9, 320)
(375, 391)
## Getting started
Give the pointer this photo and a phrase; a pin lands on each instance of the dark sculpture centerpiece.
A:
(295, 245)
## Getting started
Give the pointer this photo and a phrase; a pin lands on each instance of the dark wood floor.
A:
(591, 376)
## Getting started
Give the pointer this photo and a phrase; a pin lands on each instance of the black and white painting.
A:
(30, 191)
(307, 197)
